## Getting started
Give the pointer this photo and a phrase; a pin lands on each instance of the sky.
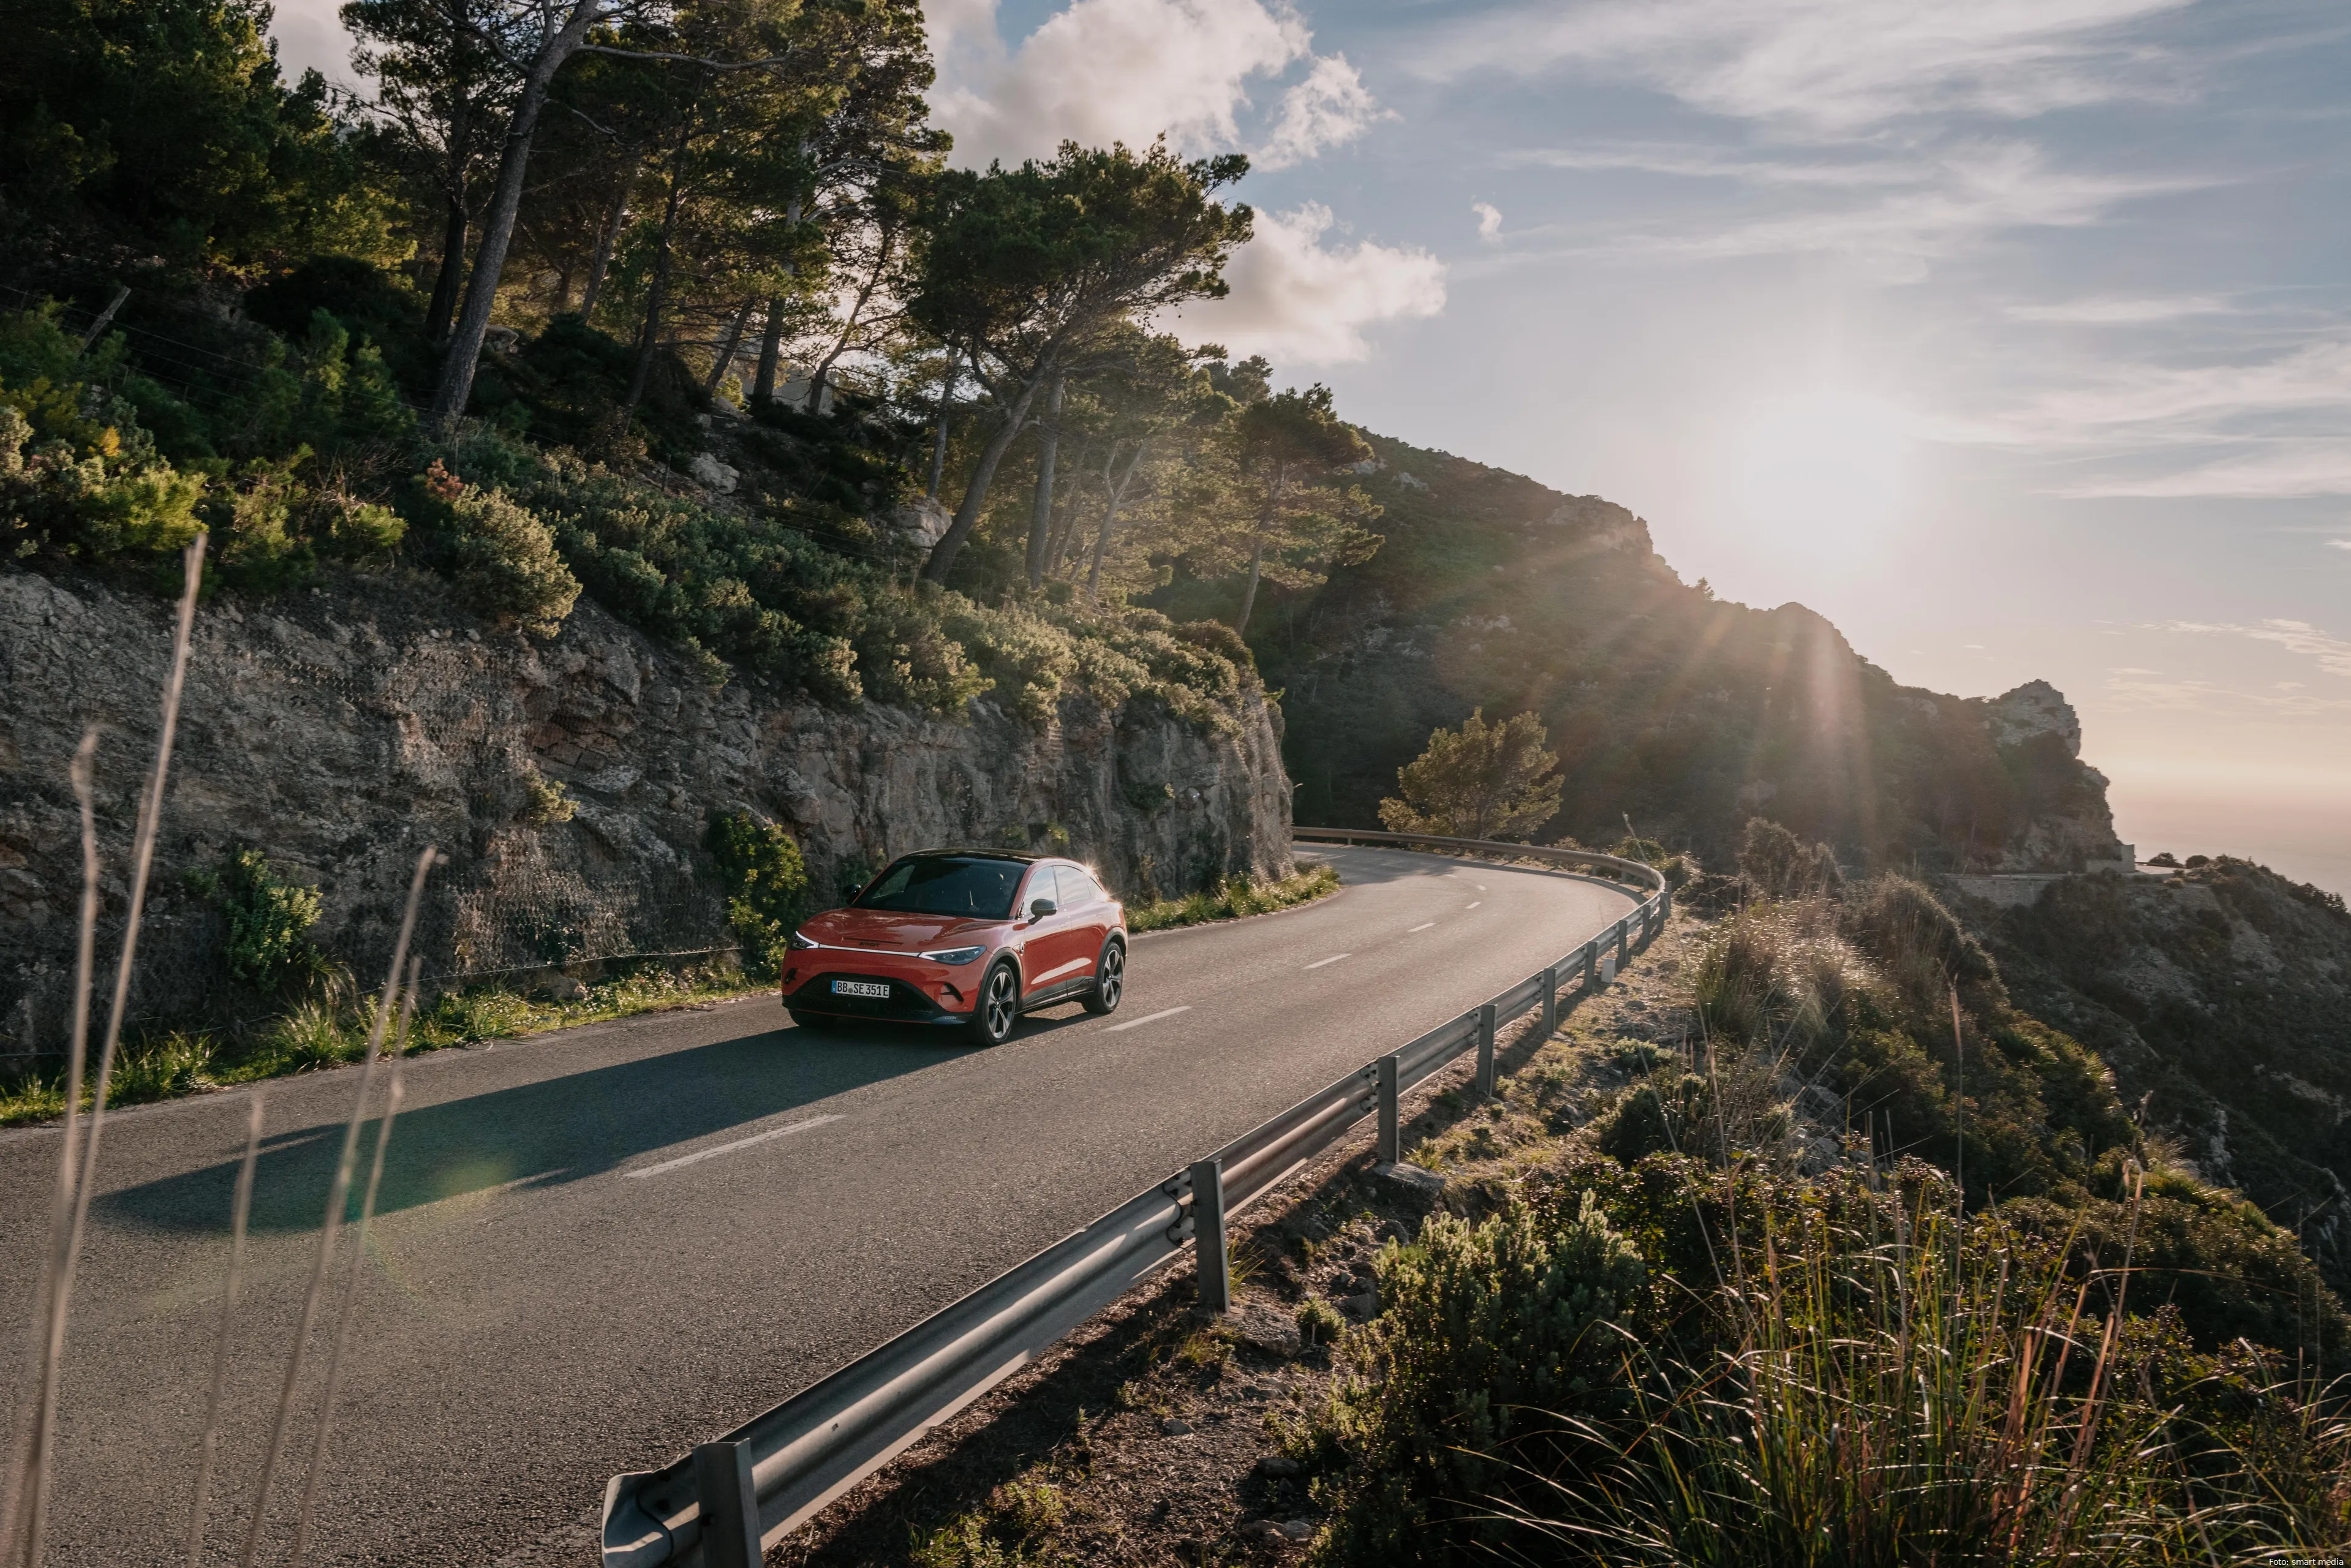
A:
(2012, 336)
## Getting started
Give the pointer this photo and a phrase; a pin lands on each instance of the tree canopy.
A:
(1481, 781)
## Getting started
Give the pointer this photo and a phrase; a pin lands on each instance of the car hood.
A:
(886, 930)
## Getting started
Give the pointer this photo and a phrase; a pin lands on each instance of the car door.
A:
(1089, 908)
(1055, 949)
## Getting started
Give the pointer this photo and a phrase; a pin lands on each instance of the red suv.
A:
(968, 937)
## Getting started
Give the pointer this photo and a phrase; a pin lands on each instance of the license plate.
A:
(859, 988)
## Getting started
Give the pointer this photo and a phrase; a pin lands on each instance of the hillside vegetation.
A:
(1686, 713)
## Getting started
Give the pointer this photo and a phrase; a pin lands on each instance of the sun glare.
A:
(1821, 471)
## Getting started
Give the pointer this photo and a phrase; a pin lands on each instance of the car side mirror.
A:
(849, 892)
(1042, 907)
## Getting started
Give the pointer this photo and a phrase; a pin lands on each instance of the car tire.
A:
(807, 1020)
(997, 1008)
(1110, 979)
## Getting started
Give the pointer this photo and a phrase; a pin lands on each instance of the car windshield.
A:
(946, 884)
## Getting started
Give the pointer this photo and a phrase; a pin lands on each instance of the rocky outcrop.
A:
(2072, 828)
(342, 729)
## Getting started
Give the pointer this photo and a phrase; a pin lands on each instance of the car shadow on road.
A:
(557, 1130)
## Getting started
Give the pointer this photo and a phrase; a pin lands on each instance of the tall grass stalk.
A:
(46, 1345)
(35, 1489)
(240, 1212)
(330, 1229)
(358, 1271)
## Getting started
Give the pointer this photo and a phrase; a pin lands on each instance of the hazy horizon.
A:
(2015, 340)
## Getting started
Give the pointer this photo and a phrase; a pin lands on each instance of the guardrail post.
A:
(1550, 1002)
(730, 1509)
(1391, 1126)
(1624, 942)
(1214, 1267)
(1486, 1050)
(1592, 965)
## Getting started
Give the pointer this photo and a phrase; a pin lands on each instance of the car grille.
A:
(905, 1001)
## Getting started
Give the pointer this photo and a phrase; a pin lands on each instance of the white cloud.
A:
(1834, 65)
(2316, 377)
(1894, 210)
(2121, 311)
(2261, 429)
(1329, 108)
(1298, 301)
(1490, 220)
(2276, 470)
(2332, 654)
(1126, 70)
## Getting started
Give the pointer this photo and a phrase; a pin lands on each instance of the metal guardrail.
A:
(721, 1505)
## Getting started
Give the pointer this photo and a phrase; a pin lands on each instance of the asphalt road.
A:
(595, 1248)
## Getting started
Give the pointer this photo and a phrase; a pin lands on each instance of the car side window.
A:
(1078, 888)
(1043, 885)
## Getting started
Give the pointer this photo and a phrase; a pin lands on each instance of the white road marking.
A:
(1476, 902)
(700, 1154)
(1332, 959)
(1422, 926)
(1148, 1018)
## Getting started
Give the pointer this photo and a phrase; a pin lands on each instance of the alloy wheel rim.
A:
(1113, 977)
(999, 1003)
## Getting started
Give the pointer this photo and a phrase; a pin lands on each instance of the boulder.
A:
(921, 521)
(713, 475)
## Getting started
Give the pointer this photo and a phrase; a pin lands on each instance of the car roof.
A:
(1021, 857)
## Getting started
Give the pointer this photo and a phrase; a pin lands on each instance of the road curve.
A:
(596, 1247)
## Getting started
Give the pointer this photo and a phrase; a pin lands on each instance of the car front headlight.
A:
(798, 944)
(952, 958)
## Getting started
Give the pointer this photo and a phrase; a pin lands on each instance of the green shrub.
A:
(74, 487)
(1776, 863)
(1488, 1334)
(767, 886)
(1918, 945)
(503, 563)
(1233, 897)
(1670, 1113)
(269, 922)
(545, 802)
(1318, 1322)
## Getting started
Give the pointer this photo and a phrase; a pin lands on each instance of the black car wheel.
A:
(809, 1021)
(1110, 980)
(999, 1007)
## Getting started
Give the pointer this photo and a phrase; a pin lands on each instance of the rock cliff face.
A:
(2070, 829)
(343, 730)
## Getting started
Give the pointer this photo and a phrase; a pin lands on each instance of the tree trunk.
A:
(601, 261)
(939, 441)
(771, 349)
(848, 328)
(771, 339)
(453, 267)
(1065, 513)
(975, 495)
(1041, 514)
(1117, 496)
(727, 350)
(464, 350)
(455, 221)
(1248, 594)
(657, 290)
